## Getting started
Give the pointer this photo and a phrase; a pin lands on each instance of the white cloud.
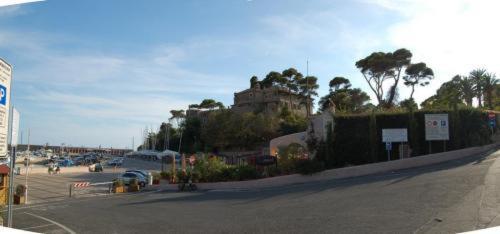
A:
(451, 36)
(4, 3)
(87, 90)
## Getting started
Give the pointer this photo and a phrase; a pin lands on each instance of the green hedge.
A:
(357, 138)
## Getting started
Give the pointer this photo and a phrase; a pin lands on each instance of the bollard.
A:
(70, 188)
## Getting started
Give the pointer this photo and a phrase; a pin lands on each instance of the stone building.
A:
(268, 100)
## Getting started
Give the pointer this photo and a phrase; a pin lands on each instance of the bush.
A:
(309, 167)
(247, 173)
(117, 183)
(467, 128)
(165, 175)
(20, 190)
(195, 176)
(156, 176)
(133, 182)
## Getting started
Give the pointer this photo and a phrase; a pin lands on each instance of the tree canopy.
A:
(379, 67)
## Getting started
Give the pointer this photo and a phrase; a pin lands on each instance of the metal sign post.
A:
(13, 142)
(492, 121)
(390, 135)
(388, 147)
(436, 129)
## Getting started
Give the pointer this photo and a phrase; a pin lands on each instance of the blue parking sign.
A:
(3, 95)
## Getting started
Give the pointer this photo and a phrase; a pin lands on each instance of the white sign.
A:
(394, 135)
(436, 127)
(15, 127)
(5, 78)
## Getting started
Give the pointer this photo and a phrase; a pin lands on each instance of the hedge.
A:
(357, 139)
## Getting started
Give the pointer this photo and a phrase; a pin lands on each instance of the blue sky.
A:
(98, 72)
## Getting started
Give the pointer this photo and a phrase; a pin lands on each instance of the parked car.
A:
(65, 163)
(115, 162)
(96, 167)
(145, 174)
(127, 176)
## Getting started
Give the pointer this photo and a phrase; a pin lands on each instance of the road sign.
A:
(436, 127)
(15, 127)
(394, 135)
(492, 120)
(5, 80)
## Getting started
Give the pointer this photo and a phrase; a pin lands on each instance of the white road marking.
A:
(52, 221)
(39, 226)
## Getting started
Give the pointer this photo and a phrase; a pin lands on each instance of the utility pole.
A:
(308, 105)
(165, 138)
(27, 168)
(168, 136)
(133, 145)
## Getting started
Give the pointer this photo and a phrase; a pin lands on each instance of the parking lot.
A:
(49, 188)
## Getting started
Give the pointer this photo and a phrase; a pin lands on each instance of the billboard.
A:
(436, 127)
(5, 79)
(394, 135)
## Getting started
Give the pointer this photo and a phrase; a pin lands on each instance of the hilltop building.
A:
(268, 100)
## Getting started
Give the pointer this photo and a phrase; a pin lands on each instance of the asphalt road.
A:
(445, 198)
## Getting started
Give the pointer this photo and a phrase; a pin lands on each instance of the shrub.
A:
(195, 176)
(165, 175)
(133, 182)
(247, 173)
(308, 167)
(272, 171)
(467, 128)
(117, 183)
(20, 190)
(156, 176)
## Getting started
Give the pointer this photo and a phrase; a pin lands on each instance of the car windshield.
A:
(250, 116)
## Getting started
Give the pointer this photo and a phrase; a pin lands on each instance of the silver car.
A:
(128, 176)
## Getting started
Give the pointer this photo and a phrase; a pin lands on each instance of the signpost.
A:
(13, 144)
(492, 120)
(390, 135)
(436, 128)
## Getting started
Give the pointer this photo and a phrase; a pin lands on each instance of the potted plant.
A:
(118, 186)
(19, 196)
(133, 185)
(156, 178)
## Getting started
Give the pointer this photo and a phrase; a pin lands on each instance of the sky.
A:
(97, 73)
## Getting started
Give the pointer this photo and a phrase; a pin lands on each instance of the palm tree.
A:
(467, 89)
(489, 84)
(477, 75)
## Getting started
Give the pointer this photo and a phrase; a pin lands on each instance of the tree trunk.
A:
(489, 97)
(392, 91)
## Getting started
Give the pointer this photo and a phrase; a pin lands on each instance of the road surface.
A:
(444, 198)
